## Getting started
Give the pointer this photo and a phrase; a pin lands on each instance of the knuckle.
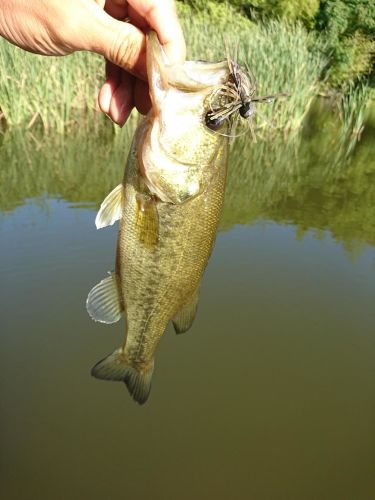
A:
(124, 50)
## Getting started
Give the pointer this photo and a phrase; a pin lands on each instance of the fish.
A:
(168, 207)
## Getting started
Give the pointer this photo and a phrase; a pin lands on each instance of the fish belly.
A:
(158, 279)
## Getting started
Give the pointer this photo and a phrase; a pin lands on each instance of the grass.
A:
(50, 91)
(279, 55)
(55, 92)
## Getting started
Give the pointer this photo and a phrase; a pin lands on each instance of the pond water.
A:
(271, 394)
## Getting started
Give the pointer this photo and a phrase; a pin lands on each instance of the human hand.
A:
(53, 27)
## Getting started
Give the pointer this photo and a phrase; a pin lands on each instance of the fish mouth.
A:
(176, 148)
(190, 76)
(197, 75)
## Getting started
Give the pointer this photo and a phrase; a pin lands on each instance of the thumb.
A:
(119, 42)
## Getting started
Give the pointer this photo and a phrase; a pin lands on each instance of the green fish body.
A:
(168, 206)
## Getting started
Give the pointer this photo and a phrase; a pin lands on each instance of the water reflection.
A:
(271, 394)
(307, 180)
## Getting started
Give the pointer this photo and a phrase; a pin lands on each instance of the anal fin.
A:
(111, 209)
(104, 302)
(183, 320)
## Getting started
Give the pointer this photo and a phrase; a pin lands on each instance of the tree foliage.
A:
(347, 26)
(256, 10)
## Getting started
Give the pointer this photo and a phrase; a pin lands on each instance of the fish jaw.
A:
(168, 179)
(177, 148)
(190, 76)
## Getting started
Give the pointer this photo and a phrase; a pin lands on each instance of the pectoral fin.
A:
(104, 302)
(111, 208)
(183, 320)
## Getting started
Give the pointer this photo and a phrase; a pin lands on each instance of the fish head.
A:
(177, 151)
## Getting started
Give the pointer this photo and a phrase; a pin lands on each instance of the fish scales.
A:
(157, 282)
(168, 205)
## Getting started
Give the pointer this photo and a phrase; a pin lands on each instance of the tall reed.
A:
(50, 90)
(282, 56)
(56, 91)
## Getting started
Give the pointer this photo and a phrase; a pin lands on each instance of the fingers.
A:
(121, 43)
(124, 43)
(116, 95)
(161, 16)
(116, 8)
(142, 100)
(113, 79)
(122, 100)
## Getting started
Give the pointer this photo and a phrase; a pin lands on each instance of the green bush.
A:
(353, 59)
(345, 17)
(349, 28)
(346, 26)
(255, 10)
(282, 55)
(223, 16)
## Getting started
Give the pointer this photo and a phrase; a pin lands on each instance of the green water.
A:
(270, 396)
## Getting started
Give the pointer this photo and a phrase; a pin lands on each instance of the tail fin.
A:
(116, 367)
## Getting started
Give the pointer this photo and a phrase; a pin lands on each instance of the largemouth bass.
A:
(168, 204)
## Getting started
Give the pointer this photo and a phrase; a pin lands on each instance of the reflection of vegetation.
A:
(81, 168)
(354, 105)
(306, 180)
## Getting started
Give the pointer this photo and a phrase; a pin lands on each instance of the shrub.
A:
(349, 28)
